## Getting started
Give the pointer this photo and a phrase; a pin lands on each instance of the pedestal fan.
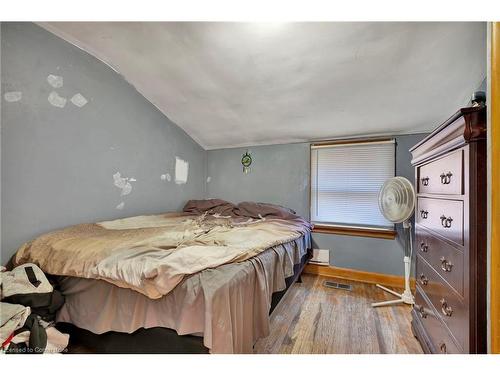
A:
(396, 201)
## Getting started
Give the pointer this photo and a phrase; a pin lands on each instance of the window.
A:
(345, 182)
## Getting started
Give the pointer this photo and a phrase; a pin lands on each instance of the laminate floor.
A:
(316, 319)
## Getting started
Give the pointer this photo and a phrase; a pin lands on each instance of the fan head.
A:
(396, 199)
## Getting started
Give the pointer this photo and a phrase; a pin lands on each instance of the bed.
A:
(203, 280)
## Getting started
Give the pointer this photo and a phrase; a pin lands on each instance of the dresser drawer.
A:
(444, 258)
(441, 339)
(442, 216)
(442, 176)
(444, 300)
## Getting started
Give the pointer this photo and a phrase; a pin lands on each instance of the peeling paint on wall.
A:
(123, 183)
(120, 206)
(79, 100)
(55, 81)
(166, 177)
(13, 96)
(34, 53)
(56, 100)
(181, 171)
(127, 189)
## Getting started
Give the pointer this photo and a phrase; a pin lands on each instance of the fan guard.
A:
(396, 199)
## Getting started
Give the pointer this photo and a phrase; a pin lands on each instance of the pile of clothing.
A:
(28, 306)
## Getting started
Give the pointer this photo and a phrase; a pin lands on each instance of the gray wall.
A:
(57, 163)
(280, 174)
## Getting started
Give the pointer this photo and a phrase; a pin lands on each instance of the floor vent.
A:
(333, 284)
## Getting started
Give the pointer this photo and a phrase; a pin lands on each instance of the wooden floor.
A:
(315, 319)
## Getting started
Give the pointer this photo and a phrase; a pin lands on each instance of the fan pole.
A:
(406, 296)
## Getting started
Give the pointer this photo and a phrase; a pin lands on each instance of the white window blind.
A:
(345, 182)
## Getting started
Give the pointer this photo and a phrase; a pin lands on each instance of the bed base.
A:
(157, 340)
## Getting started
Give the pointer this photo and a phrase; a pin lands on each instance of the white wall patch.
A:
(55, 81)
(120, 206)
(209, 179)
(166, 177)
(79, 100)
(56, 100)
(123, 183)
(181, 171)
(13, 96)
(127, 189)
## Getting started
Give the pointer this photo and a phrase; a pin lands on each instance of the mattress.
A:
(228, 305)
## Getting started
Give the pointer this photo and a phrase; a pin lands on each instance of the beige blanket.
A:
(152, 254)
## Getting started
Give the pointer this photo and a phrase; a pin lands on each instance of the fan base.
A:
(406, 297)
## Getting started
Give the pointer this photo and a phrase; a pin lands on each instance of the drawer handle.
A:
(445, 265)
(442, 347)
(422, 312)
(424, 247)
(425, 181)
(445, 309)
(446, 178)
(446, 221)
(424, 214)
(423, 280)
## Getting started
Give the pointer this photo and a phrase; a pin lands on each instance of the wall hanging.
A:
(246, 161)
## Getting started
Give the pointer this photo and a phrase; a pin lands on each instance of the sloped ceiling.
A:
(240, 84)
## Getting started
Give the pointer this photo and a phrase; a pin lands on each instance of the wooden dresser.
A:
(449, 315)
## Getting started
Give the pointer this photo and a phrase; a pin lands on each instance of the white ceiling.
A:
(241, 84)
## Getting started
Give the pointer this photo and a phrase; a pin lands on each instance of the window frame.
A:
(350, 230)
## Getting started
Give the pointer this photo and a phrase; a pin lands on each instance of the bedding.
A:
(209, 206)
(209, 271)
(228, 305)
(264, 210)
(244, 209)
(152, 254)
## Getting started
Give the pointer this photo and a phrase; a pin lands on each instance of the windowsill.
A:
(387, 234)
